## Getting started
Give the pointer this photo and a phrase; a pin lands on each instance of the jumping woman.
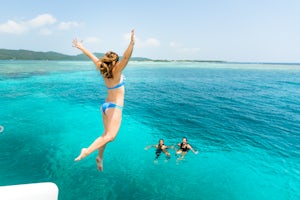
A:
(111, 69)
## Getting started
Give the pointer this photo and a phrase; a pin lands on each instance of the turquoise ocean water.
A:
(244, 119)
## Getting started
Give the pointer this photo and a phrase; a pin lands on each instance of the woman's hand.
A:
(77, 44)
(132, 36)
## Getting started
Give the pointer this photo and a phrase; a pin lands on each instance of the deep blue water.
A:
(242, 118)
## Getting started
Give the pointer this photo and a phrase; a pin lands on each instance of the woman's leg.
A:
(99, 158)
(183, 154)
(112, 122)
(101, 151)
(179, 151)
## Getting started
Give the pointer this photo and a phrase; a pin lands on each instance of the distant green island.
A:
(8, 54)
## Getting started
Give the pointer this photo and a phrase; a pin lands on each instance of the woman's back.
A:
(115, 89)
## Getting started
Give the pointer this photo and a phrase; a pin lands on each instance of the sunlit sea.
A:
(243, 118)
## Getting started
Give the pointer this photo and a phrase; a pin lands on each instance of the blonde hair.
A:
(106, 64)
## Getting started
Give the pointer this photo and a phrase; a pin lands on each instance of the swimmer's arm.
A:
(171, 147)
(193, 150)
(79, 45)
(149, 146)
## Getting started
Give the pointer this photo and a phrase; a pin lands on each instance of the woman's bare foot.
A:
(82, 155)
(99, 163)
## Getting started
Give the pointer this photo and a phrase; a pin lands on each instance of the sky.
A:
(225, 30)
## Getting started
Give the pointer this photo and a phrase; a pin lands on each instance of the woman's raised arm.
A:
(127, 53)
(79, 45)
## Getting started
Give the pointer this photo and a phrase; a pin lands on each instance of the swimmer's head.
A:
(161, 142)
(184, 140)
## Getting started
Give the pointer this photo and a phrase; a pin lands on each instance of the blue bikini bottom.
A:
(107, 105)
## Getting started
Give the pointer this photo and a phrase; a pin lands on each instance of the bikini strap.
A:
(122, 82)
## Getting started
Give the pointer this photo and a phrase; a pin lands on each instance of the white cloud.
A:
(152, 42)
(68, 25)
(92, 40)
(179, 48)
(41, 20)
(20, 27)
(13, 27)
(149, 42)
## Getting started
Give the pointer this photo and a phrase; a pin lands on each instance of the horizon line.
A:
(150, 59)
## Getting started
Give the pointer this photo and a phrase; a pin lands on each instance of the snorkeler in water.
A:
(160, 147)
